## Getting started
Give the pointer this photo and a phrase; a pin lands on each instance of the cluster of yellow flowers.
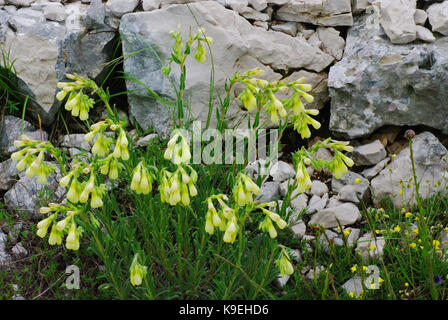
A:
(35, 166)
(78, 103)
(225, 218)
(58, 229)
(102, 143)
(302, 177)
(142, 179)
(260, 93)
(338, 164)
(340, 161)
(244, 190)
(78, 191)
(284, 262)
(270, 217)
(178, 186)
(180, 52)
(178, 149)
(111, 166)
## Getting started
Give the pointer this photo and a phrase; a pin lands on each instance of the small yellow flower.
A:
(413, 245)
(354, 268)
(138, 271)
(364, 268)
(408, 214)
(378, 231)
(397, 229)
(406, 284)
(435, 244)
(347, 232)
(380, 280)
(284, 263)
(357, 180)
(351, 294)
(415, 231)
(372, 247)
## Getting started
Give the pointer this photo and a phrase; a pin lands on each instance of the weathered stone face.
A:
(44, 51)
(378, 83)
(235, 39)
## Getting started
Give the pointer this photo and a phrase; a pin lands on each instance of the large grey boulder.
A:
(235, 41)
(44, 51)
(378, 83)
(430, 159)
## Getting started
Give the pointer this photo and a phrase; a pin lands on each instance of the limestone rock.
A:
(75, 141)
(317, 203)
(378, 83)
(300, 202)
(420, 17)
(350, 178)
(424, 34)
(430, 166)
(10, 131)
(235, 39)
(438, 17)
(372, 172)
(26, 193)
(269, 191)
(319, 188)
(20, 3)
(146, 140)
(149, 5)
(369, 154)
(8, 174)
(282, 171)
(332, 42)
(258, 5)
(318, 12)
(299, 229)
(120, 7)
(397, 20)
(286, 27)
(19, 250)
(359, 6)
(44, 51)
(346, 214)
